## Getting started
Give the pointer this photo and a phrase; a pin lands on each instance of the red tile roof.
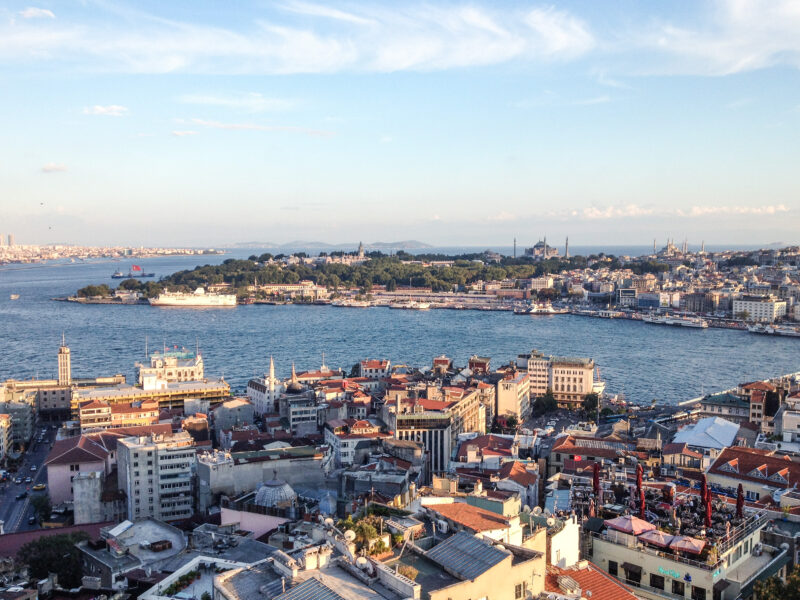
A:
(682, 448)
(590, 578)
(471, 517)
(516, 472)
(744, 463)
(488, 445)
(79, 449)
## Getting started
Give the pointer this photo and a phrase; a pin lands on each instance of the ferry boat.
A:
(547, 309)
(352, 303)
(410, 305)
(782, 330)
(695, 322)
(14, 296)
(199, 298)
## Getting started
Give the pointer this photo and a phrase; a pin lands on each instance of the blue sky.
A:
(455, 123)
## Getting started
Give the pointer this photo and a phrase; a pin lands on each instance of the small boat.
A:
(14, 296)
(136, 271)
(411, 305)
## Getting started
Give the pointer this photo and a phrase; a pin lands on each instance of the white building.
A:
(169, 365)
(513, 396)
(761, 309)
(156, 474)
(374, 369)
(264, 391)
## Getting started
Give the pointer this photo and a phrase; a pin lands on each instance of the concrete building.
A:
(64, 364)
(351, 440)
(571, 379)
(171, 365)
(513, 396)
(234, 474)
(231, 414)
(374, 369)
(155, 472)
(22, 417)
(759, 309)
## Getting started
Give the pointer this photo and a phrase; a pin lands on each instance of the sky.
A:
(454, 123)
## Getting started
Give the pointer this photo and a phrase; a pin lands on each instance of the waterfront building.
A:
(728, 405)
(479, 365)
(64, 364)
(264, 391)
(759, 309)
(170, 395)
(155, 472)
(537, 366)
(537, 284)
(571, 379)
(171, 366)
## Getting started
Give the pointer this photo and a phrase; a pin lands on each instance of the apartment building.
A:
(571, 379)
(513, 396)
(155, 472)
(5, 436)
(759, 309)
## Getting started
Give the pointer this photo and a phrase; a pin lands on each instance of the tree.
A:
(773, 588)
(590, 403)
(545, 404)
(744, 315)
(365, 532)
(512, 422)
(41, 506)
(55, 554)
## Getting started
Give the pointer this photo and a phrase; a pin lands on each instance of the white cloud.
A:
(251, 102)
(705, 211)
(52, 167)
(306, 38)
(36, 13)
(501, 217)
(112, 110)
(184, 133)
(257, 127)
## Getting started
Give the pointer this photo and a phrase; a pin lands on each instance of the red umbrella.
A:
(639, 473)
(629, 524)
(703, 488)
(708, 510)
(740, 502)
(685, 543)
(641, 503)
(596, 481)
(657, 538)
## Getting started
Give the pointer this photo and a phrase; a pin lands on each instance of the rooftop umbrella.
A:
(740, 502)
(657, 538)
(641, 503)
(629, 524)
(707, 522)
(684, 543)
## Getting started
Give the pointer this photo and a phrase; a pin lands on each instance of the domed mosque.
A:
(275, 492)
(294, 386)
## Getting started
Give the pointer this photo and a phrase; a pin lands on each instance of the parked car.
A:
(28, 480)
(31, 520)
(33, 467)
(22, 495)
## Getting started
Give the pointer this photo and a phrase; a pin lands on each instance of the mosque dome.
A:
(274, 492)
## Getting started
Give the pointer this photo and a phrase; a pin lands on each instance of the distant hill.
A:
(401, 245)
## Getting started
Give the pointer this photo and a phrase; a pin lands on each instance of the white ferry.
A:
(410, 305)
(199, 298)
(547, 309)
(782, 330)
(695, 322)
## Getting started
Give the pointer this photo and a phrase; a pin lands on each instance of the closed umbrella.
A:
(740, 502)
(639, 472)
(707, 522)
(641, 503)
(596, 481)
(703, 488)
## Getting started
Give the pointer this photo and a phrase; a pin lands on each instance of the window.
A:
(656, 581)
(698, 593)
(518, 591)
(678, 588)
(612, 568)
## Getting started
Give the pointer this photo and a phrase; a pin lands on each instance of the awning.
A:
(721, 585)
(631, 568)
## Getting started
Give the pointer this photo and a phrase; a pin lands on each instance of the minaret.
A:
(360, 249)
(294, 374)
(566, 248)
(64, 363)
(703, 247)
(654, 245)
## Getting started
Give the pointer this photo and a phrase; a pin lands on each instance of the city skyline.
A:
(446, 123)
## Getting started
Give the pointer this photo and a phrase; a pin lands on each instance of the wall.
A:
(58, 479)
(258, 524)
(88, 488)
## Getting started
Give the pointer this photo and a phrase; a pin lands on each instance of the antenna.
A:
(63, 342)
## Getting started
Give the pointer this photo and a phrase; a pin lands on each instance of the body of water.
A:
(642, 361)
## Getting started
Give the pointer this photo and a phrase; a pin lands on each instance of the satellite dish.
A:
(537, 510)
(550, 521)
(321, 519)
(526, 509)
(349, 535)
(547, 512)
(329, 522)
(361, 562)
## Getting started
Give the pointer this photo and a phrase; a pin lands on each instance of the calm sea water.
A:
(642, 361)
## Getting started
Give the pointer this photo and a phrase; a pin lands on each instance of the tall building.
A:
(569, 378)
(566, 248)
(10, 239)
(171, 366)
(64, 364)
(5, 436)
(762, 309)
(2, 240)
(155, 472)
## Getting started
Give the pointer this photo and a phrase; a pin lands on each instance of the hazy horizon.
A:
(200, 124)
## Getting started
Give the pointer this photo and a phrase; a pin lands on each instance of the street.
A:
(14, 513)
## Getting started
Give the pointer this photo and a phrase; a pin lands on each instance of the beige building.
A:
(171, 365)
(5, 436)
(569, 378)
(514, 396)
(759, 309)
